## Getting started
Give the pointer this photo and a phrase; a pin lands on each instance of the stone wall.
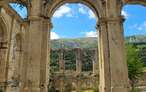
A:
(14, 31)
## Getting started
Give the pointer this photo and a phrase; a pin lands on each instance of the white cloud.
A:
(86, 11)
(62, 11)
(91, 14)
(91, 34)
(82, 10)
(54, 35)
(125, 14)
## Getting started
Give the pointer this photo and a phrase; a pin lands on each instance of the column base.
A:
(120, 89)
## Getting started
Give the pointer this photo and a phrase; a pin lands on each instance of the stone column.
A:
(104, 63)
(33, 51)
(62, 85)
(95, 62)
(118, 64)
(113, 66)
(25, 59)
(3, 64)
(61, 61)
(79, 85)
(45, 58)
(78, 61)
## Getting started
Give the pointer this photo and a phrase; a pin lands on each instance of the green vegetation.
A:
(135, 90)
(135, 47)
(135, 65)
(144, 69)
(90, 42)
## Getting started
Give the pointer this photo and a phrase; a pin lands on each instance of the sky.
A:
(77, 20)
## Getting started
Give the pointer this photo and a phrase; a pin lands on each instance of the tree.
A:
(135, 66)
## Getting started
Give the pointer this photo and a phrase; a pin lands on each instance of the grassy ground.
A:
(145, 69)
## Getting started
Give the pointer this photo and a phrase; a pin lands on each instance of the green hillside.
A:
(90, 42)
(74, 43)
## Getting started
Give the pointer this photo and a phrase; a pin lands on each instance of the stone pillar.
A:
(62, 85)
(45, 58)
(104, 63)
(25, 58)
(33, 52)
(78, 61)
(61, 61)
(17, 54)
(79, 85)
(118, 64)
(95, 62)
(113, 66)
(3, 64)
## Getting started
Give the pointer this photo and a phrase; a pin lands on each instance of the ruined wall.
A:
(15, 30)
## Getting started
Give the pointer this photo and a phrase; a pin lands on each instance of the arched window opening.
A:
(73, 46)
(20, 9)
(135, 43)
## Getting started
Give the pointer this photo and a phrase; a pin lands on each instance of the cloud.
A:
(82, 10)
(86, 11)
(139, 27)
(91, 34)
(91, 14)
(62, 11)
(68, 11)
(125, 14)
(54, 35)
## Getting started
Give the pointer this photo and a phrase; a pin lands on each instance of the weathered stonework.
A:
(24, 59)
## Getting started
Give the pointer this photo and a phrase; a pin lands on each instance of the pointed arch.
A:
(95, 6)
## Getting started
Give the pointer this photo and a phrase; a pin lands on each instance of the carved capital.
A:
(116, 19)
(34, 18)
(103, 21)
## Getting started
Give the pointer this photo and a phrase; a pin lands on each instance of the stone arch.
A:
(20, 6)
(95, 6)
(131, 2)
(141, 2)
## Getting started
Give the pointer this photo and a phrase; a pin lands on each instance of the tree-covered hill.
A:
(90, 42)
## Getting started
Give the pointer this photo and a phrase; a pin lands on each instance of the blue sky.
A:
(77, 20)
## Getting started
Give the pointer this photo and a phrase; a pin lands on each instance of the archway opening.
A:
(74, 48)
(20, 9)
(135, 43)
